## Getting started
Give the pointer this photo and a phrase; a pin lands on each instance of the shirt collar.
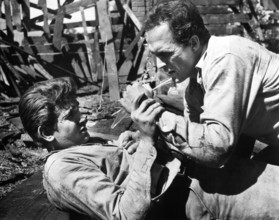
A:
(200, 64)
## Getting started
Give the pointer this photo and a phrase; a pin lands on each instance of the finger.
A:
(128, 144)
(152, 107)
(133, 148)
(155, 113)
(135, 100)
(145, 104)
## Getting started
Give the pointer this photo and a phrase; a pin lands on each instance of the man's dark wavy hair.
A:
(41, 105)
(183, 18)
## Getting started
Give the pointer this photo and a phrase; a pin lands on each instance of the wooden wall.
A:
(110, 48)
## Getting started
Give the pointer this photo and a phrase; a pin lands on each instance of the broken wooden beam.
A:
(110, 58)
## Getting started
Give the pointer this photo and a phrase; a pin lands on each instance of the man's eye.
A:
(164, 55)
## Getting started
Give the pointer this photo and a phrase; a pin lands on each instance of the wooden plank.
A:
(106, 35)
(88, 47)
(84, 64)
(76, 24)
(43, 5)
(58, 28)
(134, 43)
(97, 57)
(16, 14)
(216, 2)
(49, 10)
(271, 4)
(42, 71)
(25, 5)
(4, 77)
(69, 9)
(132, 16)
(225, 19)
(77, 69)
(9, 20)
(1, 1)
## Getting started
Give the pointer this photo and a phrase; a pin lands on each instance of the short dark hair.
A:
(41, 105)
(183, 18)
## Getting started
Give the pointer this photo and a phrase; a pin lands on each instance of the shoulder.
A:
(235, 45)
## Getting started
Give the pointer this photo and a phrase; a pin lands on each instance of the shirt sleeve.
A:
(77, 185)
(211, 140)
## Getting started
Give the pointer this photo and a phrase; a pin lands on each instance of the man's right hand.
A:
(145, 116)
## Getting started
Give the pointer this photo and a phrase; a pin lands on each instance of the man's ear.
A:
(195, 43)
(44, 134)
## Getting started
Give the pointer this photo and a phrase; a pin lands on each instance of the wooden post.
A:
(58, 28)
(9, 21)
(106, 36)
(88, 47)
(43, 5)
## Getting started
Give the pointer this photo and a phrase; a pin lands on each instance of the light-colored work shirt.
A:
(104, 181)
(237, 92)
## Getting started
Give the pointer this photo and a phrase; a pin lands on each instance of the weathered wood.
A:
(135, 20)
(49, 10)
(69, 9)
(25, 5)
(16, 14)
(9, 20)
(76, 24)
(4, 77)
(88, 47)
(43, 5)
(77, 69)
(97, 57)
(271, 4)
(30, 71)
(106, 35)
(10, 77)
(134, 43)
(42, 71)
(58, 28)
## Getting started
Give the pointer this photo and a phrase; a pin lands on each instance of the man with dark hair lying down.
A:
(99, 180)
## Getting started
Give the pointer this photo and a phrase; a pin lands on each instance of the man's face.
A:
(180, 60)
(71, 129)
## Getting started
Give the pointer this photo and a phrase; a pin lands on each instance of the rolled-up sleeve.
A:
(74, 183)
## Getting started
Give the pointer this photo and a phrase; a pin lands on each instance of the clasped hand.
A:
(143, 108)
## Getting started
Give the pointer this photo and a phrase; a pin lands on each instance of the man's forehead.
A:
(159, 38)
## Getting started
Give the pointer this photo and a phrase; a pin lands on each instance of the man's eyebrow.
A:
(163, 53)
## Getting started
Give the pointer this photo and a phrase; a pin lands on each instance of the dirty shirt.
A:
(236, 92)
(103, 182)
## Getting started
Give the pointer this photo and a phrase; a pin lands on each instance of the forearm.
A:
(205, 143)
(135, 201)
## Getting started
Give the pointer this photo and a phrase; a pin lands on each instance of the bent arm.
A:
(211, 140)
(73, 182)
